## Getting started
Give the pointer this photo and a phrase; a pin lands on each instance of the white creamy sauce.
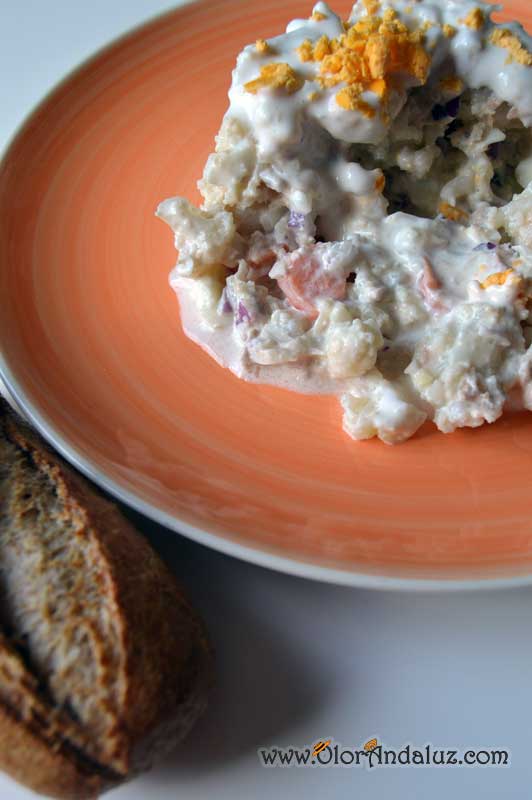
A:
(220, 344)
(295, 273)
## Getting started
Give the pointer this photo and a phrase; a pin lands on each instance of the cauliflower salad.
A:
(366, 225)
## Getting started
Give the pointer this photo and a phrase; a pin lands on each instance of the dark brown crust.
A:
(167, 655)
(30, 760)
(39, 742)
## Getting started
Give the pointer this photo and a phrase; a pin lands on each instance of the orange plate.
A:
(93, 349)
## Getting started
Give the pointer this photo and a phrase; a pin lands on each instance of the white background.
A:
(299, 661)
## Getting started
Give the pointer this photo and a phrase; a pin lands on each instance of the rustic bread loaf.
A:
(103, 664)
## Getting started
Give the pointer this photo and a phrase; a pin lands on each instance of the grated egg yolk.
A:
(502, 37)
(367, 57)
(262, 46)
(452, 85)
(276, 76)
(497, 279)
(452, 213)
(475, 19)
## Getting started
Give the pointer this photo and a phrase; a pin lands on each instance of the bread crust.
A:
(45, 771)
(29, 759)
(164, 657)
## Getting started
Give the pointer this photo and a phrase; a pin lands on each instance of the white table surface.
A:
(297, 660)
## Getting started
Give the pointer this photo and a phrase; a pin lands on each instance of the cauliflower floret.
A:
(203, 240)
(467, 365)
(206, 292)
(517, 216)
(376, 407)
(351, 348)
(473, 399)
(525, 371)
(351, 336)
(471, 184)
(417, 162)
(523, 171)
(231, 168)
(367, 288)
(283, 339)
(487, 219)
(408, 307)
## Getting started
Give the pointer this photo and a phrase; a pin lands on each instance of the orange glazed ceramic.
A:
(92, 345)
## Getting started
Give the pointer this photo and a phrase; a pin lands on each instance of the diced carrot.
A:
(306, 281)
(262, 264)
(429, 286)
(429, 279)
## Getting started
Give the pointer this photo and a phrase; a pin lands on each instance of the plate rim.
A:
(217, 542)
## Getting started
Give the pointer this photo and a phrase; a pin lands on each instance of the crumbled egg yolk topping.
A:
(372, 6)
(497, 279)
(502, 37)
(366, 58)
(306, 51)
(262, 46)
(452, 213)
(321, 48)
(451, 85)
(475, 19)
(349, 98)
(276, 76)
